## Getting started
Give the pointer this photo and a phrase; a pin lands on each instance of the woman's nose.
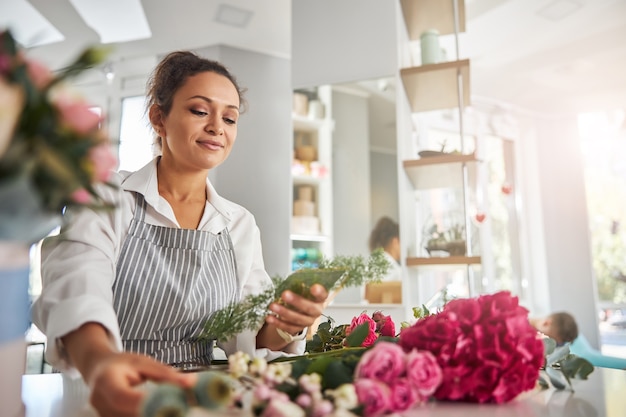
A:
(214, 127)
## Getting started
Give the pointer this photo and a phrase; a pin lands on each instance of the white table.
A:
(603, 395)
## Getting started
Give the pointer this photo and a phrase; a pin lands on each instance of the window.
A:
(136, 140)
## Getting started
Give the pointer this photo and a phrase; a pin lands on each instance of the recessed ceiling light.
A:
(558, 9)
(233, 16)
(114, 20)
(27, 25)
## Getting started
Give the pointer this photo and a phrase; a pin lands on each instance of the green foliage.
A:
(249, 313)
(561, 367)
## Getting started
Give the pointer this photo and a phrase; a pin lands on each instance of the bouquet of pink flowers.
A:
(485, 346)
(52, 149)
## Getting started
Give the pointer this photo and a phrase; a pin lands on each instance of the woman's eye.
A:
(198, 112)
(229, 121)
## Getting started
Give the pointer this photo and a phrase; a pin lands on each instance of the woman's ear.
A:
(156, 120)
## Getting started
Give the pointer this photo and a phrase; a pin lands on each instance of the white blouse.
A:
(78, 266)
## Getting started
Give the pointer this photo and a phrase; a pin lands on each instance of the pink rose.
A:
(357, 321)
(431, 333)
(467, 311)
(455, 383)
(76, 115)
(38, 73)
(403, 395)
(423, 372)
(103, 162)
(384, 362)
(81, 196)
(374, 396)
(386, 327)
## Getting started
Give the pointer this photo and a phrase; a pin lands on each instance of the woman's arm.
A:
(114, 377)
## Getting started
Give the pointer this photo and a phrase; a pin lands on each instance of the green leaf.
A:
(301, 281)
(318, 365)
(576, 367)
(358, 335)
(337, 373)
(556, 378)
(549, 345)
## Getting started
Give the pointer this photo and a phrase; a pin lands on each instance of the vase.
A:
(14, 322)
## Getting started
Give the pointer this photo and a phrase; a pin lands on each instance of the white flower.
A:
(238, 364)
(277, 373)
(311, 383)
(258, 366)
(344, 397)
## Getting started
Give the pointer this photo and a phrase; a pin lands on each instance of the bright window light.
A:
(114, 20)
(136, 141)
(28, 26)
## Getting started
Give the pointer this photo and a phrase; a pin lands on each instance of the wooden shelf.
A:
(309, 238)
(434, 86)
(448, 260)
(307, 180)
(440, 171)
(306, 124)
(422, 15)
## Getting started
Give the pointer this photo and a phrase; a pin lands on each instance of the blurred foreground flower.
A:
(52, 149)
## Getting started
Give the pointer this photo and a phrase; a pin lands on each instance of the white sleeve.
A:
(78, 270)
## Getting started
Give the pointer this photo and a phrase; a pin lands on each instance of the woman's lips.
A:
(212, 145)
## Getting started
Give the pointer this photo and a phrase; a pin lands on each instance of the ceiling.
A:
(541, 55)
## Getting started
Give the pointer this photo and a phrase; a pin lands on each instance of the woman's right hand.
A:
(115, 382)
(114, 377)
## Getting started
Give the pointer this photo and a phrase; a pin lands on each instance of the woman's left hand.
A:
(293, 314)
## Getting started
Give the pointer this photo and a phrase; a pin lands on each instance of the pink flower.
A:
(384, 324)
(385, 362)
(403, 395)
(38, 73)
(81, 196)
(278, 407)
(76, 115)
(423, 372)
(486, 348)
(103, 162)
(357, 321)
(374, 396)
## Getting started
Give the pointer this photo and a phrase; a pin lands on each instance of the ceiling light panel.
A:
(558, 9)
(114, 20)
(28, 26)
(233, 16)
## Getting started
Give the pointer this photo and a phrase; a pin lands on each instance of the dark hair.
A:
(384, 231)
(565, 327)
(172, 72)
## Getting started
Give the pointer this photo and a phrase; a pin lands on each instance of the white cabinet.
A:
(437, 232)
(311, 205)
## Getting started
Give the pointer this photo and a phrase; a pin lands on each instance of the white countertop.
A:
(603, 395)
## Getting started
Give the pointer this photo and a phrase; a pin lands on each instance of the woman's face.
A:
(201, 128)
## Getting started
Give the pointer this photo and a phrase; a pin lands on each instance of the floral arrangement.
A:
(481, 350)
(52, 150)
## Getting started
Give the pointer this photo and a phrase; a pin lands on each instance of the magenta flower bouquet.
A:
(485, 346)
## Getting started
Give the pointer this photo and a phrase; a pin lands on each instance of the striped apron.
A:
(168, 282)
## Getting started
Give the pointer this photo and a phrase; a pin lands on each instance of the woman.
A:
(386, 235)
(126, 292)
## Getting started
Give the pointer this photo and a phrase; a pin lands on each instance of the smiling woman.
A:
(126, 292)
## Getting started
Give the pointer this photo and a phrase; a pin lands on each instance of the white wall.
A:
(340, 41)
(257, 172)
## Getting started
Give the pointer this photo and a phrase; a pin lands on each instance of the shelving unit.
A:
(311, 206)
(427, 88)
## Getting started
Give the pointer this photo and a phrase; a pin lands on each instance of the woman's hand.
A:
(292, 314)
(113, 377)
(115, 383)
